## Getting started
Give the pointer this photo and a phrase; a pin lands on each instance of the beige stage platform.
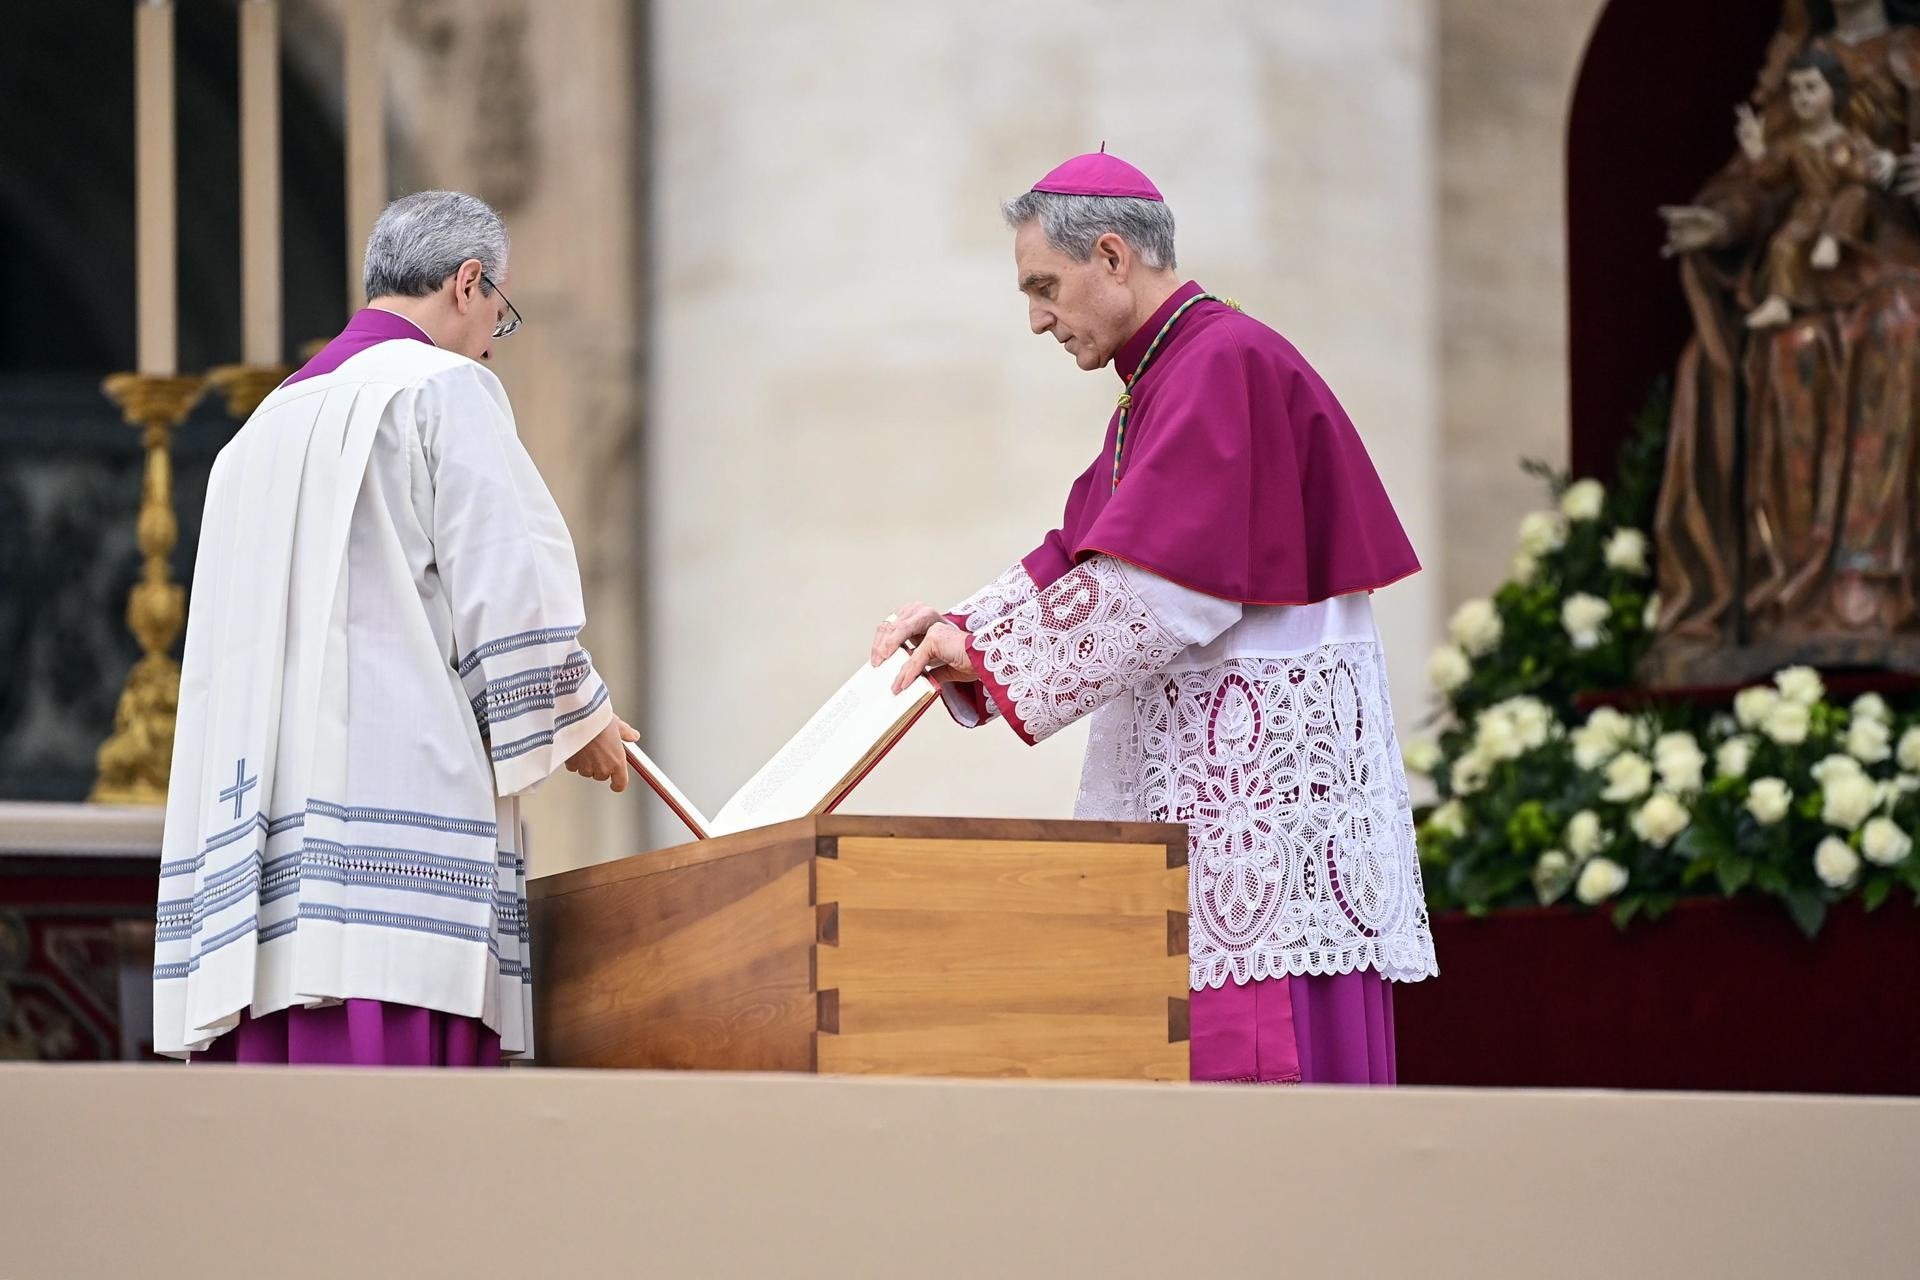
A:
(135, 1172)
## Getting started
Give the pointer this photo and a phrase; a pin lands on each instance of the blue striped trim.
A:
(222, 839)
(278, 826)
(507, 859)
(171, 972)
(279, 929)
(400, 869)
(244, 929)
(406, 818)
(394, 920)
(506, 688)
(523, 640)
(534, 742)
(282, 868)
(213, 904)
(491, 707)
(222, 878)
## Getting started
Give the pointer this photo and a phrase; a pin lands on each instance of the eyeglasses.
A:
(505, 327)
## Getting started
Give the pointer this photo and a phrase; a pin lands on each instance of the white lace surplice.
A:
(1266, 729)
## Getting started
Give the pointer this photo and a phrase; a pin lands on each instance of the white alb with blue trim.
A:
(382, 654)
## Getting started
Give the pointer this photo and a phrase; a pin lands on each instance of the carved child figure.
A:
(1828, 166)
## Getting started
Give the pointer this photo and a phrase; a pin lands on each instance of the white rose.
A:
(1835, 863)
(1552, 874)
(1836, 766)
(1660, 819)
(1800, 684)
(1905, 784)
(1421, 756)
(1869, 741)
(1751, 707)
(1734, 757)
(1871, 706)
(1448, 669)
(1475, 627)
(1789, 723)
(1908, 752)
(1470, 773)
(1585, 617)
(1543, 532)
(1769, 800)
(1884, 843)
(1596, 741)
(1496, 736)
(1650, 616)
(1584, 500)
(1524, 568)
(1629, 777)
(1449, 819)
(1589, 751)
(1599, 880)
(1533, 720)
(1848, 799)
(1680, 762)
(1585, 836)
(1627, 551)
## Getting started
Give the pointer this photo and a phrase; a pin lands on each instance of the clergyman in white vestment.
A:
(382, 655)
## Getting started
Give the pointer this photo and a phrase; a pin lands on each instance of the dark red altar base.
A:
(64, 949)
(1842, 686)
(1721, 994)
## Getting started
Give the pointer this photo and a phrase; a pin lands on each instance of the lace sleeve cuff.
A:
(1069, 649)
(998, 598)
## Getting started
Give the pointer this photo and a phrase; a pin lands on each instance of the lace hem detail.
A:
(1409, 959)
(1287, 774)
(1082, 642)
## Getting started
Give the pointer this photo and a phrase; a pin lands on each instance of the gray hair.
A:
(1073, 223)
(423, 238)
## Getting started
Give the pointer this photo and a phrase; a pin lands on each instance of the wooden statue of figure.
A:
(1786, 520)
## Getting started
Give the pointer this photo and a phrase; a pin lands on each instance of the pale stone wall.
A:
(1507, 70)
(846, 408)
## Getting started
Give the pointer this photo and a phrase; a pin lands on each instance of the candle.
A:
(261, 342)
(366, 136)
(153, 205)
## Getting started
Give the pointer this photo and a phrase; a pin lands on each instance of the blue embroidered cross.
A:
(241, 785)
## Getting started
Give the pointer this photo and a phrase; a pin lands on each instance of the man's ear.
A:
(466, 284)
(1114, 254)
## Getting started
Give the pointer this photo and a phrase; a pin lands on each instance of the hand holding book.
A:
(938, 647)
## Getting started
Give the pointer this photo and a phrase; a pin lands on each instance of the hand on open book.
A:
(940, 655)
(605, 758)
(904, 626)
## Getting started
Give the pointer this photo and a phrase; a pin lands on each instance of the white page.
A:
(805, 772)
(664, 786)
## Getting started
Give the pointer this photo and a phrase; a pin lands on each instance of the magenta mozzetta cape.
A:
(1242, 478)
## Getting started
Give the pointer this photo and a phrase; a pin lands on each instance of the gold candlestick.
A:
(135, 761)
(246, 385)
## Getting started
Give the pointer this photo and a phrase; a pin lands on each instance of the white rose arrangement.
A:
(1554, 777)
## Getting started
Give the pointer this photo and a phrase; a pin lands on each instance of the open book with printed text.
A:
(820, 764)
